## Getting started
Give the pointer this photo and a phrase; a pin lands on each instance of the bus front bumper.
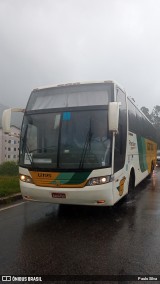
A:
(100, 195)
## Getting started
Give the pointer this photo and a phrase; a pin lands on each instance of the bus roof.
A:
(79, 83)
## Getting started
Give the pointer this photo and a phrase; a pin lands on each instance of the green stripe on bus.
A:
(71, 178)
(79, 178)
(65, 177)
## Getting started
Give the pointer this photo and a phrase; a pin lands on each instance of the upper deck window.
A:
(71, 96)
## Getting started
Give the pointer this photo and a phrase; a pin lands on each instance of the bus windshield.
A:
(76, 139)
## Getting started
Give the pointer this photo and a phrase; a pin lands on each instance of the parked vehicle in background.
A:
(158, 158)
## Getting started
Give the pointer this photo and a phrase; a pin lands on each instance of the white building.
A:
(9, 145)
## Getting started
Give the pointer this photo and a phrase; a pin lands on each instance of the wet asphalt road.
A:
(47, 239)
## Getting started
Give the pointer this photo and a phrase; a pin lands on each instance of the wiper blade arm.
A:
(86, 144)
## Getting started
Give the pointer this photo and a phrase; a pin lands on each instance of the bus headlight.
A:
(99, 180)
(25, 178)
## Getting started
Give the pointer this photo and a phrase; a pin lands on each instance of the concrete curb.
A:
(10, 198)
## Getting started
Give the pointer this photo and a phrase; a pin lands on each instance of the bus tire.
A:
(152, 169)
(131, 184)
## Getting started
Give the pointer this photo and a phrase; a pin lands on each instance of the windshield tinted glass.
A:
(66, 140)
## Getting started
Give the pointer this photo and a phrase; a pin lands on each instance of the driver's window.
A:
(32, 137)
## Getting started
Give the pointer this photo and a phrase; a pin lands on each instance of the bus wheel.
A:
(151, 172)
(131, 185)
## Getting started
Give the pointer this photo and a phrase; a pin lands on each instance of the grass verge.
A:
(9, 185)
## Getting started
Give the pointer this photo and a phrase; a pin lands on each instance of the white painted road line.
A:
(12, 206)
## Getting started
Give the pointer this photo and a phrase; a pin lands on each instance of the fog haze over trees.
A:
(154, 117)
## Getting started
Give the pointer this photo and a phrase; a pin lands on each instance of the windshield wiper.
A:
(86, 144)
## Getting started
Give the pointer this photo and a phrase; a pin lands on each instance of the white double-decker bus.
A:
(83, 143)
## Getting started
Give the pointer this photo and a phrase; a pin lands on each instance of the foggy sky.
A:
(59, 41)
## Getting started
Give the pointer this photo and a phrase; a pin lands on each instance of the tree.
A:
(155, 115)
(145, 110)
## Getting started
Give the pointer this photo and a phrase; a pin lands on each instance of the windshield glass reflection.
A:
(66, 140)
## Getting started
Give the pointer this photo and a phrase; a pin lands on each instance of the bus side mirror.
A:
(6, 118)
(113, 116)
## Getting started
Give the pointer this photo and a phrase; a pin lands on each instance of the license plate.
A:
(58, 195)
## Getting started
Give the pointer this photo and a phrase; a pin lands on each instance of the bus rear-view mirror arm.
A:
(113, 116)
(6, 118)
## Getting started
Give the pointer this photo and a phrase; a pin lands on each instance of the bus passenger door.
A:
(120, 186)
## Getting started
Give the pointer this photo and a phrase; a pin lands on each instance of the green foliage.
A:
(9, 168)
(154, 117)
(9, 180)
(145, 110)
(9, 185)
